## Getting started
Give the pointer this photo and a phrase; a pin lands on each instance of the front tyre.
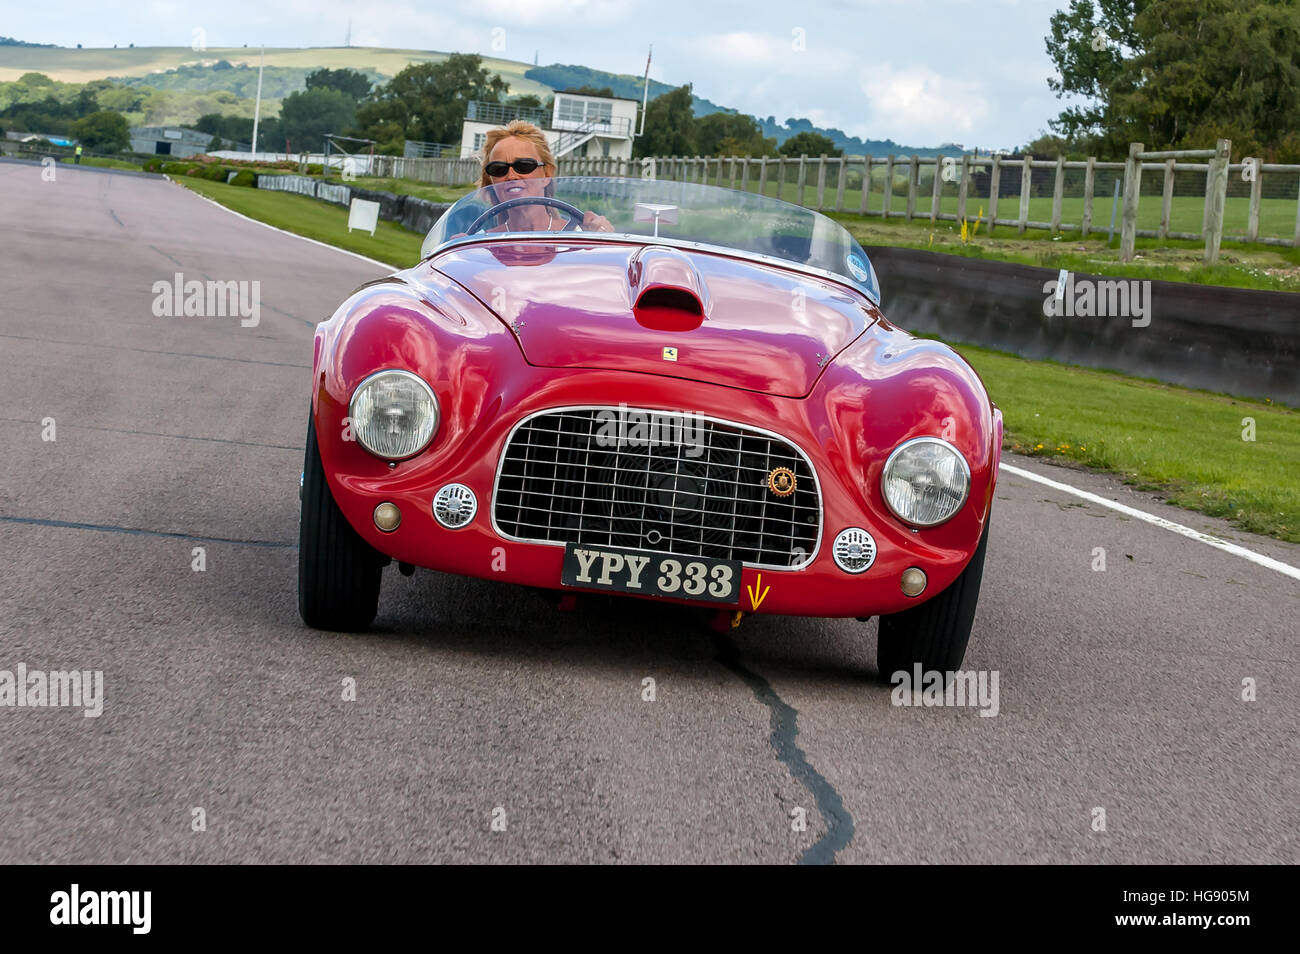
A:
(934, 633)
(338, 572)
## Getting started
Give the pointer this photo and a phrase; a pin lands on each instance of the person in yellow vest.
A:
(78, 153)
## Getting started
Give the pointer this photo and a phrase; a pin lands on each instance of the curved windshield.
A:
(649, 208)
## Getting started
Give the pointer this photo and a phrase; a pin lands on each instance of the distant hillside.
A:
(81, 66)
(241, 79)
(10, 41)
(233, 70)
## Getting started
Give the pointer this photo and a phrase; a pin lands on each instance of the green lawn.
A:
(103, 162)
(1277, 216)
(421, 190)
(1239, 265)
(314, 219)
(1186, 444)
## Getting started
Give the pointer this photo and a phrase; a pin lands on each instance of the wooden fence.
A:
(905, 183)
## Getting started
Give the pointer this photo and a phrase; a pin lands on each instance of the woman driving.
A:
(516, 156)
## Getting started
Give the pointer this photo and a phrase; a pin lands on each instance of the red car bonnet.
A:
(660, 310)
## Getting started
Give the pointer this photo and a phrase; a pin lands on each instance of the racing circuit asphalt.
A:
(1118, 689)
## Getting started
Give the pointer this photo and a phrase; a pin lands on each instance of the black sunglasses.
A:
(522, 166)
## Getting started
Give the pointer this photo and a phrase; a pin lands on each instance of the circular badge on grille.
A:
(782, 482)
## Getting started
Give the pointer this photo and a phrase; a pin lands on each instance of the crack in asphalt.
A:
(176, 354)
(175, 261)
(177, 437)
(279, 311)
(785, 726)
(306, 321)
(136, 531)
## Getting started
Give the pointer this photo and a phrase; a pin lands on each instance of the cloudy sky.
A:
(920, 72)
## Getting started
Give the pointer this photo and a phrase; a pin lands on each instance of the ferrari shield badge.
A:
(670, 354)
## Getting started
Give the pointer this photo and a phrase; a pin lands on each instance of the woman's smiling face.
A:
(514, 184)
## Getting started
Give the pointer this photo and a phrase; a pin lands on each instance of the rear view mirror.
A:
(652, 212)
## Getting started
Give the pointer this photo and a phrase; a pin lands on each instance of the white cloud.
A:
(916, 104)
(781, 53)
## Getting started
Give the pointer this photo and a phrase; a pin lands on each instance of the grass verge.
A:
(314, 219)
(1187, 445)
(102, 162)
(1269, 268)
(421, 190)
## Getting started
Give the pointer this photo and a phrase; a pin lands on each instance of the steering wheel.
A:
(575, 214)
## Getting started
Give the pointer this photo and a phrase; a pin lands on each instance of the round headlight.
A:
(394, 414)
(926, 481)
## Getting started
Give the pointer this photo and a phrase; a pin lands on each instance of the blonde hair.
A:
(517, 129)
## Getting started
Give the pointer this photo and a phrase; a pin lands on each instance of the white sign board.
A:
(363, 215)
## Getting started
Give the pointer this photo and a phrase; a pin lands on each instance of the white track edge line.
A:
(364, 258)
(1212, 541)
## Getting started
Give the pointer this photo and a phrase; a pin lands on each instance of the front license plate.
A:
(651, 574)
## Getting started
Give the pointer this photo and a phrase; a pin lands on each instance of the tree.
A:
(44, 116)
(731, 134)
(104, 131)
(354, 84)
(809, 144)
(306, 116)
(228, 128)
(1088, 45)
(428, 101)
(1212, 69)
(586, 90)
(1048, 146)
(669, 126)
(122, 99)
(85, 103)
(1178, 74)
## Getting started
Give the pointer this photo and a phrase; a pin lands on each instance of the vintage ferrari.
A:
(701, 404)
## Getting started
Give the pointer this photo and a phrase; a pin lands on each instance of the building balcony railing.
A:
(502, 113)
(619, 126)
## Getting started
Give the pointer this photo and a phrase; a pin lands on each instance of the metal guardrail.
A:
(304, 185)
(415, 149)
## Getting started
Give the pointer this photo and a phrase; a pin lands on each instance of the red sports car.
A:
(702, 405)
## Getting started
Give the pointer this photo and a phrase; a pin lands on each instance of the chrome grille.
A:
(562, 479)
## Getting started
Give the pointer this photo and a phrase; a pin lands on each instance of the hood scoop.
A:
(658, 309)
(667, 291)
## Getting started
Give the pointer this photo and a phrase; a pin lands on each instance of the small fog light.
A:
(387, 517)
(913, 581)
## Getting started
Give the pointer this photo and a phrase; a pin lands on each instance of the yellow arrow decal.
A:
(757, 601)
